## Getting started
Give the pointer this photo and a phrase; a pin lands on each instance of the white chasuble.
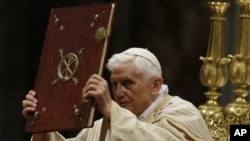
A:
(169, 118)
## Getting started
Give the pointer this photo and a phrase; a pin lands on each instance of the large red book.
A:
(75, 47)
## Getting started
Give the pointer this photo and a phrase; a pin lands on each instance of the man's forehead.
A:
(126, 72)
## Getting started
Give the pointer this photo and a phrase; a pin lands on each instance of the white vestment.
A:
(169, 118)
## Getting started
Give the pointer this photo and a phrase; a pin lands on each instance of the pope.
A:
(142, 109)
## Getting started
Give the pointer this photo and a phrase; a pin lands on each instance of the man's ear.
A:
(157, 82)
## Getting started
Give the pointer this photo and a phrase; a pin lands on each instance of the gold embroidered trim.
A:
(157, 108)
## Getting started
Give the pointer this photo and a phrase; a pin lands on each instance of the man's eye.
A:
(127, 83)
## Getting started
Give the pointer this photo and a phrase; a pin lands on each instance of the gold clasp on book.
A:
(76, 111)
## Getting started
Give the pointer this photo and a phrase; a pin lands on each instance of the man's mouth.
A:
(123, 104)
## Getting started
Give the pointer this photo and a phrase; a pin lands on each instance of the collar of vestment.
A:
(159, 102)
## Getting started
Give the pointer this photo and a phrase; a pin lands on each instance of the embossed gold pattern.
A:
(215, 71)
(67, 66)
(237, 112)
(100, 33)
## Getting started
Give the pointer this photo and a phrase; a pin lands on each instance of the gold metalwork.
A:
(77, 112)
(58, 23)
(65, 71)
(214, 72)
(237, 112)
(36, 115)
(97, 18)
(67, 66)
(100, 33)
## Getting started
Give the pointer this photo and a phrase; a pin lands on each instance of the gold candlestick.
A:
(237, 112)
(214, 72)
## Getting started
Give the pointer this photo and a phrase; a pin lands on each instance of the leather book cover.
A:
(75, 47)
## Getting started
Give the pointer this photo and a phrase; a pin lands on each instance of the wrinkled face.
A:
(130, 89)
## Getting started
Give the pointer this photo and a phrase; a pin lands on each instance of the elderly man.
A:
(142, 111)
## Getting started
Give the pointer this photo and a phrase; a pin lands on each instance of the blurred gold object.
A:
(215, 72)
(237, 112)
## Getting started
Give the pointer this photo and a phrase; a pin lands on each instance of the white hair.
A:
(143, 65)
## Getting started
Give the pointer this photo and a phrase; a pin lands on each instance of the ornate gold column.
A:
(237, 112)
(214, 72)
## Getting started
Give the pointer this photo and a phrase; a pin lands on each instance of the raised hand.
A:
(97, 88)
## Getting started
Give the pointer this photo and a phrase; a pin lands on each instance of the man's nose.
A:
(119, 91)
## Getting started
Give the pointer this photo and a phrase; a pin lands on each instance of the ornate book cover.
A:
(75, 47)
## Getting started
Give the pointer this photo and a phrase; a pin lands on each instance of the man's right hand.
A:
(29, 105)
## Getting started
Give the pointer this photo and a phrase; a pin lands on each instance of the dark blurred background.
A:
(176, 31)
